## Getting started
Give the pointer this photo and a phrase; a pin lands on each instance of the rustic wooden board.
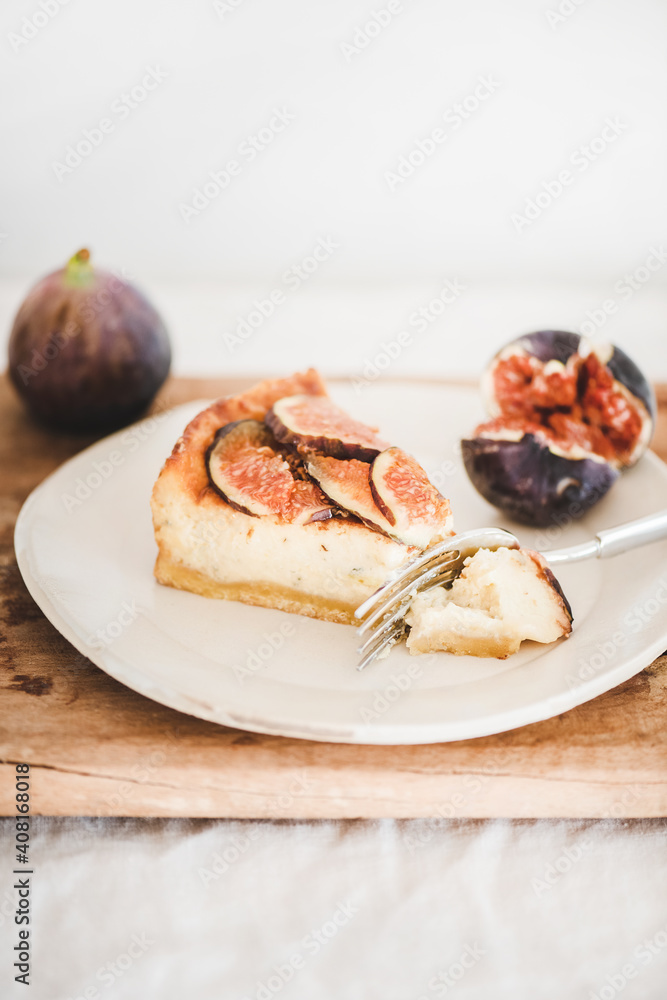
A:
(98, 749)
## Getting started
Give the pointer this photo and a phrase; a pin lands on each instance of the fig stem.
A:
(79, 270)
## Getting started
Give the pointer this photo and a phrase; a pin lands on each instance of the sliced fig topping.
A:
(247, 470)
(409, 501)
(346, 482)
(315, 423)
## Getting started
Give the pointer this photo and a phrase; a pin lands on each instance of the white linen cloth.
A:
(351, 910)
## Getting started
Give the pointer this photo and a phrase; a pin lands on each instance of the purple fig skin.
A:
(553, 582)
(531, 483)
(549, 345)
(625, 371)
(87, 351)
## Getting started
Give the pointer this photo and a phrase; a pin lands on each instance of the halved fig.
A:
(315, 423)
(346, 482)
(567, 416)
(572, 389)
(246, 469)
(418, 513)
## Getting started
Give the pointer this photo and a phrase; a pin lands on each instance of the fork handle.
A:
(614, 541)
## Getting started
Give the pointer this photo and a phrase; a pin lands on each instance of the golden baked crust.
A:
(262, 595)
(499, 647)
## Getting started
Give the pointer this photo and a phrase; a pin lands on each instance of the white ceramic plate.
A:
(84, 543)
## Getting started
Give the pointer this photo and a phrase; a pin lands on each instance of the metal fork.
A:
(383, 614)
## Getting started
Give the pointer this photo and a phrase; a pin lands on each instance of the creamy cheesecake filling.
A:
(335, 560)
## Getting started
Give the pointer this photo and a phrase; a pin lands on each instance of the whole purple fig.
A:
(87, 351)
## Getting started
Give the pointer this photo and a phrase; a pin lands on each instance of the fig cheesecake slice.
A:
(274, 498)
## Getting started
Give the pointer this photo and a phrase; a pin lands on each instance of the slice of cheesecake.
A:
(277, 498)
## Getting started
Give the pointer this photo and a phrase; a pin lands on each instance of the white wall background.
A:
(557, 79)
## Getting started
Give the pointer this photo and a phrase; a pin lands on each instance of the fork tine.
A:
(383, 627)
(402, 573)
(466, 543)
(439, 569)
(384, 611)
(395, 616)
(388, 639)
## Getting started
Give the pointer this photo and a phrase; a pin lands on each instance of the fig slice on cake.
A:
(418, 513)
(392, 494)
(316, 424)
(346, 482)
(246, 469)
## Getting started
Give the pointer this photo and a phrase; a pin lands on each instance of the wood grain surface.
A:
(98, 749)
